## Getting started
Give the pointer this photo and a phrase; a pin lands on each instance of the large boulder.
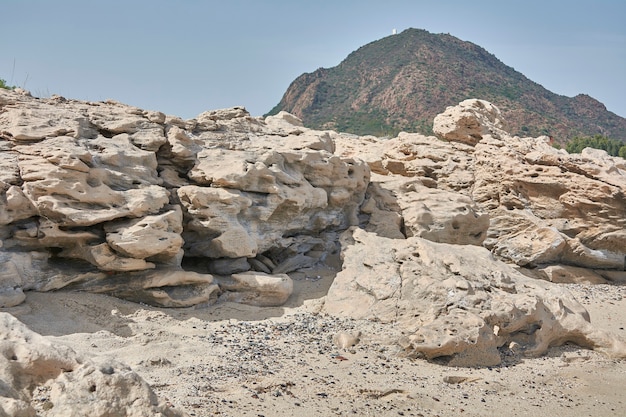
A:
(548, 206)
(432, 213)
(469, 121)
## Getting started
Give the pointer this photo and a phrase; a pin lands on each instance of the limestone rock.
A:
(110, 198)
(149, 236)
(285, 120)
(228, 266)
(256, 288)
(566, 204)
(249, 205)
(618, 277)
(533, 246)
(294, 263)
(571, 275)
(402, 207)
(384, 216)
(38, 121)
(14, 206)
(101, 189)
(25, 270)
(440, 215)
(70, 384)
(105, 259)
(171, 287)
(468, 122)
(456, 301)
(438, 164)
(11, 297)
(215, 229)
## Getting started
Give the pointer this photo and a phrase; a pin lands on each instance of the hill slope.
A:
(402, 81)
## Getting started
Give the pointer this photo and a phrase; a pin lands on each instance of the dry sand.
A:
(237, 360)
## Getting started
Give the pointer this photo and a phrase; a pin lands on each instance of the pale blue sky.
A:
(184, 57)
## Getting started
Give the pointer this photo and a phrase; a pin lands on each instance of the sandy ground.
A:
(237, 360)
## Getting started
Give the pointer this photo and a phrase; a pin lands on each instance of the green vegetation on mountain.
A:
(613, 147)
(401, 82)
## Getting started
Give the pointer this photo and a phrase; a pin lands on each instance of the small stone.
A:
(345, 340)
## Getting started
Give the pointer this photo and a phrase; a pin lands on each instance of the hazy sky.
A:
(184, 57)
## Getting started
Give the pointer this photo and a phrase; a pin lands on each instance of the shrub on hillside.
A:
(3, 84)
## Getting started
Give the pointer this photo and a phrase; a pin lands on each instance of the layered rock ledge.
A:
(111, 198)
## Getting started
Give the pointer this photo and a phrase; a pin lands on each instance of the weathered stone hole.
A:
(403, 228)
(106, 133)
(195, 264)
(54, 251)
(72, 266)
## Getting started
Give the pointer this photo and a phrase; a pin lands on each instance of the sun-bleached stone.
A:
(75, 385)
(456, 302)
(110, 198)
(469, 121)
(149, 236)
(102, 190)
(256, 288)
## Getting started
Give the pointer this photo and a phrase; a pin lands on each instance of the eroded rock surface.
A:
(456, 302)
(40, 378)
(453, 238)
(544, 206)
(556, 217)
(106, 192)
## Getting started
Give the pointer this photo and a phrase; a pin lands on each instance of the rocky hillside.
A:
(399, 83)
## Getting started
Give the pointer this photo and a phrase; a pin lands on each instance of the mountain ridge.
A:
(400, 82)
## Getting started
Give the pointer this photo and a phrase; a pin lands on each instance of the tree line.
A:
(613, 147)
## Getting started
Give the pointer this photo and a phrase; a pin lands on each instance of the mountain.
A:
(400, 82)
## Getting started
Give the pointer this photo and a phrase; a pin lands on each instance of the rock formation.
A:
(530, 204)
(111, 198)
(38, 377)
(456, 302)
(545, 213)
(453, 238)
